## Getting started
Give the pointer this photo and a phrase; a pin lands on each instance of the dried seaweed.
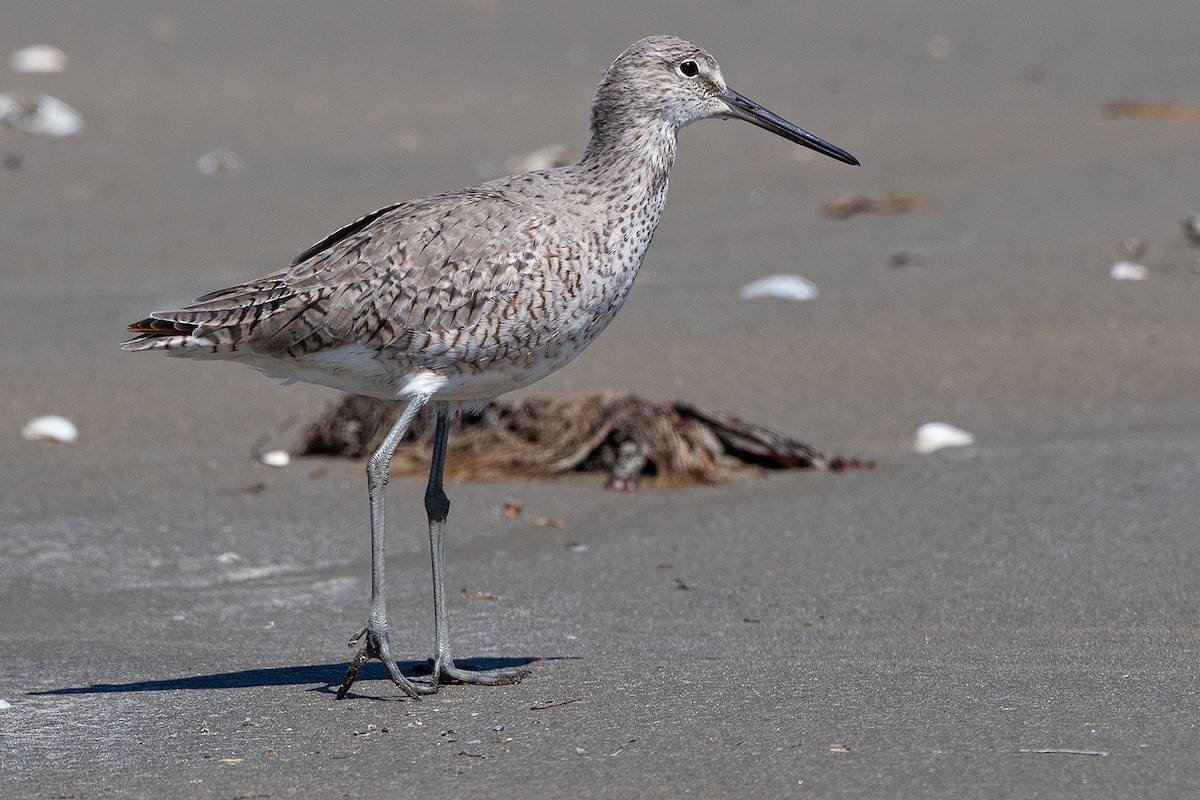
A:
(539, 437)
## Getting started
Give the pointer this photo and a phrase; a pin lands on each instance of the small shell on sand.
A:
(1128, 271)
(38, 58)
(936, 435)
(275, 458)
(784, 287)
(51, 428)
(39, 113)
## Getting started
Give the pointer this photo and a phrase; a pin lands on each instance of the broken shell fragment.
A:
(784, 287)
(935, 435)
(50, 428)
(39, 113)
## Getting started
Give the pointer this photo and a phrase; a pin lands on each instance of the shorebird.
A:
(454, 299)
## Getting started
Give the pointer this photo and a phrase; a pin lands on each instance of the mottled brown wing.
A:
(439, 265)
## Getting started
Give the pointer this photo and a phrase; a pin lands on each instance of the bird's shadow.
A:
(327, 676)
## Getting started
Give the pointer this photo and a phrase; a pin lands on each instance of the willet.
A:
(454, 299)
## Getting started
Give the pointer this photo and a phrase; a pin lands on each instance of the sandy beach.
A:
(1016, 618)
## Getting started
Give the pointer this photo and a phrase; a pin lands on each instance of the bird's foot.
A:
(375, 645)
(445, 671)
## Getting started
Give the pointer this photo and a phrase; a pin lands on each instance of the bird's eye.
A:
(688, 69)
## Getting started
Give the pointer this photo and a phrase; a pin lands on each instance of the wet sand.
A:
(174, 613)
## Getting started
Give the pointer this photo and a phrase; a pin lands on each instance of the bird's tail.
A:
(171, 331)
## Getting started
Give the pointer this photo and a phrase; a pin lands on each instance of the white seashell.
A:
(275, 458)
(38, 58)
(1128, 271)
(52, 428)
(785, 287)
(229, 558)
(936, 435)
(5, 705)
(39, 113)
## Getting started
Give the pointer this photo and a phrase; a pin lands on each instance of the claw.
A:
(355, 639)
(447, 672)
(376, 646)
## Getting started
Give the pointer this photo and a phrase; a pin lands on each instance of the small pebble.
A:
(906, 258)
(229, 558)
(5, 705)
(38, 58)
(275, 458)
(1128, 271)
(1133, 248)
(784, 287)
(936, 435)
(1191, 227)
(51, 428)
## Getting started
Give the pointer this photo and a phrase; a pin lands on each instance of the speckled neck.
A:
(635, 149)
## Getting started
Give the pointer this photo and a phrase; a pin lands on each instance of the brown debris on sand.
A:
(538, 437)
(850, 205)
(1171, 110)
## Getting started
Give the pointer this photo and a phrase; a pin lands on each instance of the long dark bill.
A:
(742, 107)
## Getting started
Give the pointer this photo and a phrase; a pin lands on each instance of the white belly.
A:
(360, 370)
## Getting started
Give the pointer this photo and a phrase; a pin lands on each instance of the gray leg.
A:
(376, 631)
(437, 506)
